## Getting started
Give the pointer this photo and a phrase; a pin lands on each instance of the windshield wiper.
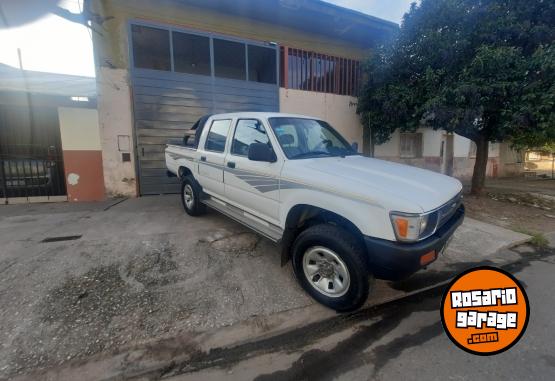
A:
(304, 154)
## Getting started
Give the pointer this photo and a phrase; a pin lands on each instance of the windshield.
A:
(302, 138)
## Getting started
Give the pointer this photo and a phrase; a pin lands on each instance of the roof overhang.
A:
(311, 16)
(36, 82)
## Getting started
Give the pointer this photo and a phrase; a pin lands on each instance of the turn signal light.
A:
(428, 258)
(402, 227)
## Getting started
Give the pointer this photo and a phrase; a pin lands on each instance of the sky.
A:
(53, 44)
(392, 10)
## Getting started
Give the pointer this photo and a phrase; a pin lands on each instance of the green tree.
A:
(484, 69)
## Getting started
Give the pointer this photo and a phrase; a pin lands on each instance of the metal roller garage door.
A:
(167, 102)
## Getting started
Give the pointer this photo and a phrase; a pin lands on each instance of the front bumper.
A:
(396, 260)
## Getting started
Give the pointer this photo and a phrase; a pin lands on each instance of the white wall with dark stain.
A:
(116, 123)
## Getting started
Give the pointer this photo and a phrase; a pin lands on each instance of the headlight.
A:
(409, 227)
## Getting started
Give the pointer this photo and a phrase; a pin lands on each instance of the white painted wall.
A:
(79, 129)
(115, 120)
(431, 141)
(461, 146)
(337, 110)
(431, 144)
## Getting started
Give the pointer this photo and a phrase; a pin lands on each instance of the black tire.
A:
(194, 208)
(349, 250)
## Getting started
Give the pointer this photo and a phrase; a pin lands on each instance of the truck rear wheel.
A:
(190, 197)
(329, 264)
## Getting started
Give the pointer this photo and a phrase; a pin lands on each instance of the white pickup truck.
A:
(342, 218)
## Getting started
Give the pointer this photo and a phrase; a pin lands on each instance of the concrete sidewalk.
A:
(78, 280)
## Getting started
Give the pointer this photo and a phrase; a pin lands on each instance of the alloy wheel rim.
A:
(188, 196)
(326, 272)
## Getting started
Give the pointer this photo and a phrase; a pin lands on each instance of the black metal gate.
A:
(31, 161)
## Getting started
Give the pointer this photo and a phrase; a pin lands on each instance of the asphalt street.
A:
(401, 340)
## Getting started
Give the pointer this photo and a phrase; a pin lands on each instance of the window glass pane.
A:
(151, 48)
(191, 53)
(315, 137)
(262, 64)
(248, 132)
(215, 141)
(229, 59)
(302, 138)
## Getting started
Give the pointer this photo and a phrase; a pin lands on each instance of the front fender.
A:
(371, 220)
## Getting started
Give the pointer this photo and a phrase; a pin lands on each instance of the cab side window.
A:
(248, 131)
(215, 141)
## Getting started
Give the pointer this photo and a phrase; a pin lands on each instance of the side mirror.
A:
(354, 146)
(261, 152)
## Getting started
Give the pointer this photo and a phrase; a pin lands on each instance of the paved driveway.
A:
(79, 279)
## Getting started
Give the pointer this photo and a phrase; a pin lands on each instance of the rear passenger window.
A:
(215, 141)
(248, 131)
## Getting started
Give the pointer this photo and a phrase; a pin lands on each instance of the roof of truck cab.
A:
(258, 114)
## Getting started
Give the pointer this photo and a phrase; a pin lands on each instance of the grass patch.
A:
(538, 239)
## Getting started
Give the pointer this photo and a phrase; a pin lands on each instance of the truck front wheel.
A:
(329, 264)
(190, 197)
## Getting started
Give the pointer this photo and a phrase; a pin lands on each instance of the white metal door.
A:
(252, 185)
(212, 151)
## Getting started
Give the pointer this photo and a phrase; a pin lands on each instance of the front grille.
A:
(447, 210)
(438, 217)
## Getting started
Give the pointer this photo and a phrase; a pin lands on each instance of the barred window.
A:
(310, 71)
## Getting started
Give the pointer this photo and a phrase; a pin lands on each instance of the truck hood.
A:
(372, 178)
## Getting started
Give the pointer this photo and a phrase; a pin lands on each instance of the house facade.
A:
(447, 153)
(162, 65)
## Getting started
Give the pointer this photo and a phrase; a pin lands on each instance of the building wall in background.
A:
(431, 146)
(82, 154)
(337, 110)
(111, 49)
(432, 158)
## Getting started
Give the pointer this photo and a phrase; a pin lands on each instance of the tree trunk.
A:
(479, 174)
(367, 142)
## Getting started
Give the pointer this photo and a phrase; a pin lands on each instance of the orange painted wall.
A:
(84, 176)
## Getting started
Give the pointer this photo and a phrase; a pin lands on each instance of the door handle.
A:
(231, 164)
(203, 158)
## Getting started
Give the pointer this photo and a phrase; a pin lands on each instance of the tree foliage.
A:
(484, 69)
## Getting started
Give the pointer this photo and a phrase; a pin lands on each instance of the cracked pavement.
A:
(140, 276)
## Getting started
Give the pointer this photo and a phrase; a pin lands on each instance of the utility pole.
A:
(29, 98)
